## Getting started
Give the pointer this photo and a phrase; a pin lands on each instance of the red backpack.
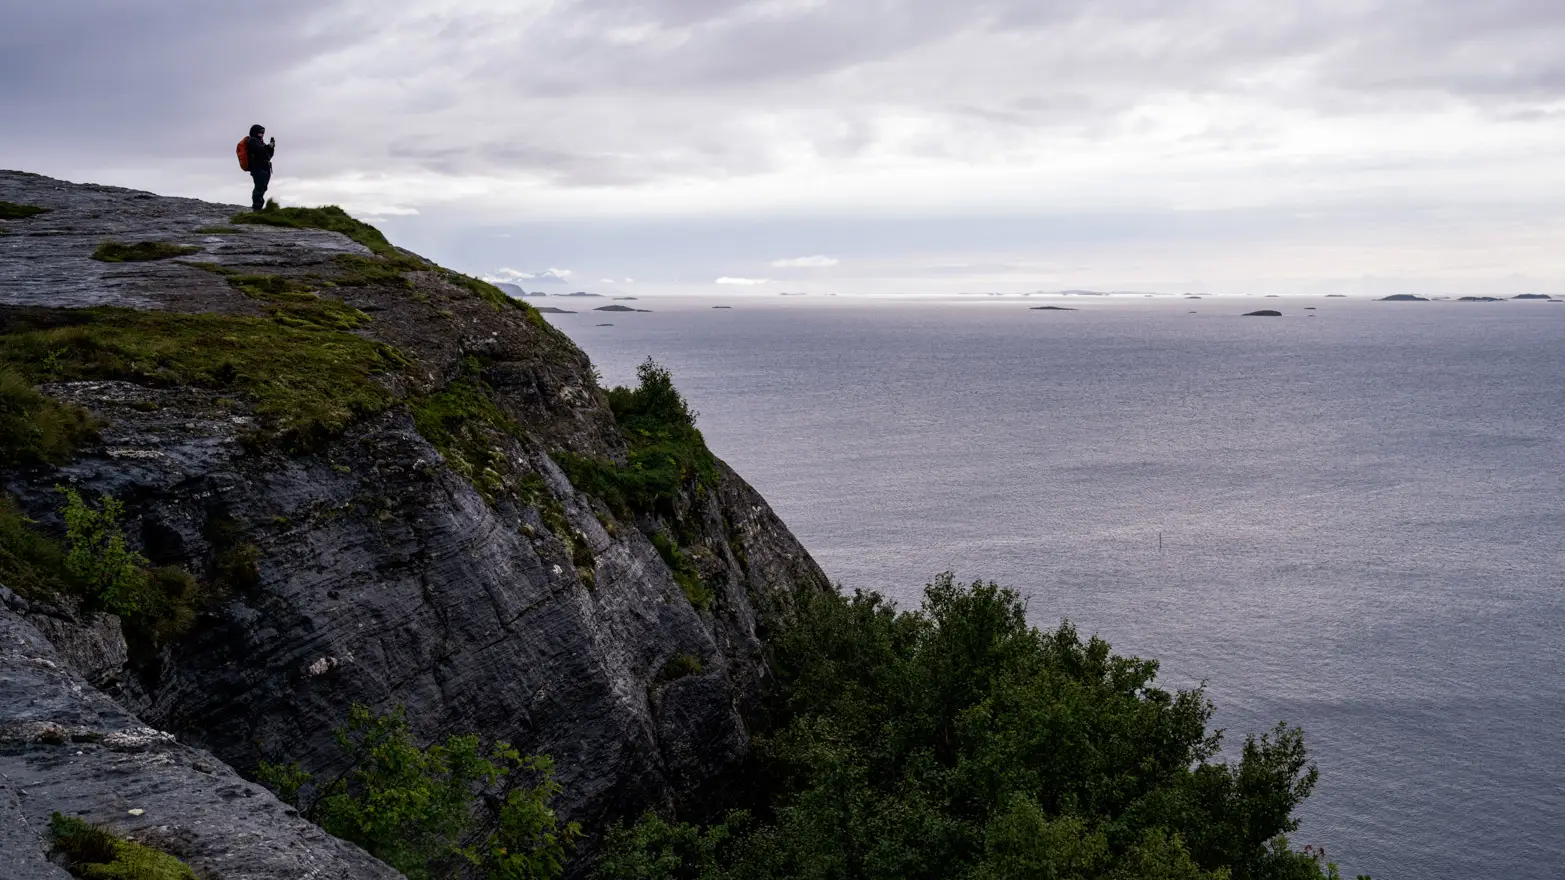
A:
(244, 155)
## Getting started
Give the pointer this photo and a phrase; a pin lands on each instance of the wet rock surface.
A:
(382, 575)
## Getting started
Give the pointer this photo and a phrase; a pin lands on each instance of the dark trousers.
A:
(262, 176)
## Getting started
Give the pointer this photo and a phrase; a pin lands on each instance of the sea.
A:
(1350, 518)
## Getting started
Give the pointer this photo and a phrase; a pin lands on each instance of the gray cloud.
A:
(613, 92)
(656, 108)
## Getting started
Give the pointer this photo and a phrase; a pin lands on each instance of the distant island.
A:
(1480, 299)
(551, 310)
(579, 293)
(1264, 313)
(1403, 297)
(619, 309)
(1050, 309)
(1532, 296)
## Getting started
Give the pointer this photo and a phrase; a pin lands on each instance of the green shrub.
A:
(655, 849)
(957, 741)
(141, 251)
(34, 427)
(667, 454)
(156, 603)
(679, 666)
(418, 808)
(91, 853)
(97, 557)
(329, 217)
(13, 211)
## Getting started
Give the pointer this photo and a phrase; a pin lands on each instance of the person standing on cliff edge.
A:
(259, 153)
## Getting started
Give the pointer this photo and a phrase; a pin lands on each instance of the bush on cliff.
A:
(96, 565)
(666, 450)
(447, 810)
(957, 741)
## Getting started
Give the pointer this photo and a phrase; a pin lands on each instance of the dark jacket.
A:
(260, 153)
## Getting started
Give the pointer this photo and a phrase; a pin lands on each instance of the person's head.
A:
(257, 131)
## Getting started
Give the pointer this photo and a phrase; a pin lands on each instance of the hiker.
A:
(255, 156)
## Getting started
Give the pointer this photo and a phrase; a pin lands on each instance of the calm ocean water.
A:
(1362, 514)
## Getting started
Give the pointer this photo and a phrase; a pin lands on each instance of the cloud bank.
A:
(1396, 135)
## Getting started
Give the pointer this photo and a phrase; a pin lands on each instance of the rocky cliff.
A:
(356, 457)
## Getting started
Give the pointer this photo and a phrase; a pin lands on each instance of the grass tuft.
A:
(92, 853)
(684, 571)
(35, 428)
(679, 666)
(13, 211)
(141, 251)
(30, 563)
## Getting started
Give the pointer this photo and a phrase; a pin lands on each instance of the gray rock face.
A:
(65, 747)
(384, 577)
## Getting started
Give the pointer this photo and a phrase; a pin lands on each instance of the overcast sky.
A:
(853, 145)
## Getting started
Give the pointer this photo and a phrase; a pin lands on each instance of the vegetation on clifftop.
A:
(329, 217)
(306, 383)
(958, 742)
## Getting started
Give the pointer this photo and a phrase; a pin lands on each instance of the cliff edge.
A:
(377, 482)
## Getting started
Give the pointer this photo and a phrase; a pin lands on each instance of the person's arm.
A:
(271, 148)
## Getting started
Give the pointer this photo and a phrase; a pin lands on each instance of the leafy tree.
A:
(957, 741)
(427, 811)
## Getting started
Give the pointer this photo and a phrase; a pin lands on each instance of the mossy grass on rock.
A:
(30, 563)
(35, 428)
(294, 303)
(305, 383)
(329, 217)
(92, 853)
(141, 251)
(14, 211)
(463, 422)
